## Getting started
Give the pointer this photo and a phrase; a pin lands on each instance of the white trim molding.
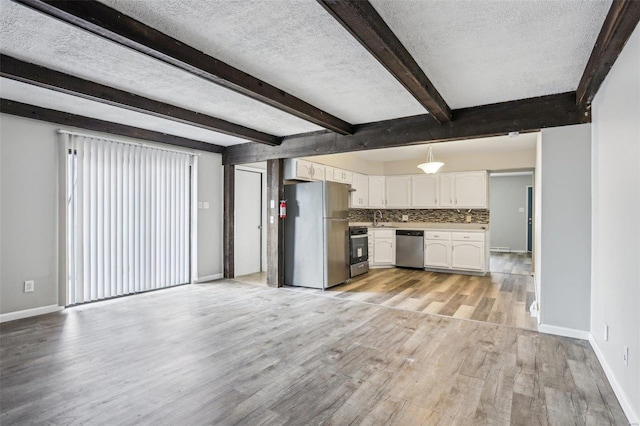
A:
(207, 278)
(623, 398)
(563, 331)
(26, 313)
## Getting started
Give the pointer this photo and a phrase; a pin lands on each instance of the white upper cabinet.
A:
(377, 192)
(296, 169)
(398, 191)
(328, 174)
(360, 193)
(471, 190)
(460, 190)
(343, 176)
(447, 190)
(337, 175)
(425, 191)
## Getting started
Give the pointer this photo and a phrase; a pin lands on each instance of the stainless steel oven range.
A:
(358, 250)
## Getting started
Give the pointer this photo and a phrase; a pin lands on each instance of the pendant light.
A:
(430, 166)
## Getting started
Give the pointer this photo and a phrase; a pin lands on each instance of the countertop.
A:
(469, 227)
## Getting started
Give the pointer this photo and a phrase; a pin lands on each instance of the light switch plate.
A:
(405, 217)
(29, 286)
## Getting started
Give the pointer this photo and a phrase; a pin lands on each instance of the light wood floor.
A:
(233, 353)
(499, 298)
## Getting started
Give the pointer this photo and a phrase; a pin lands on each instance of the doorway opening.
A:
(511, 205)
(250, 260)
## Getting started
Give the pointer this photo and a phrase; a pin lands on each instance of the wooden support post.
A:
(275, 225)
(229, 219)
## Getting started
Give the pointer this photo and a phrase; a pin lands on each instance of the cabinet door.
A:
(317, 171)
(376, 191)
(437, 254)
(467, 255)
(471, 190)
(360, 195)
(447, 189)
(398, 191)
(329, 174)
(304, 169)
(383, 251)
(343, 176)
(424, 191)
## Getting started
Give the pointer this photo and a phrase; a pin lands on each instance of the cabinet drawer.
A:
(384, 233)
(437, 235)
(467, 236)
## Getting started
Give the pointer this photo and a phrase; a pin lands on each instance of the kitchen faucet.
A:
(375, 217)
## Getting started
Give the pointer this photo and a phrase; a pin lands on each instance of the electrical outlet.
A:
(29, 286)
(625, 356)
(606, 333)
(405, 217)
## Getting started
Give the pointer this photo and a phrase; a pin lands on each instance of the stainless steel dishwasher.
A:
(410, 249)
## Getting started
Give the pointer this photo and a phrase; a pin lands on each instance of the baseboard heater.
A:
(500, 249)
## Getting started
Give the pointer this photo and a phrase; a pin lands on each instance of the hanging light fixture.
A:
(430, 166)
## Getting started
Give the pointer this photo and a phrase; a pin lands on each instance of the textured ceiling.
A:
(33, 37)
(483, 52)
(294, 45)
(33, 95)
(475, 52)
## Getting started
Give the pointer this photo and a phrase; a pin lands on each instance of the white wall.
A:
(508, 160)
(210, 187)
(29, 194)
(616, 223)
(29, 217)
(565, 250)
(508, 195)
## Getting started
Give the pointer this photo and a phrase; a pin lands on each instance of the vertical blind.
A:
(128, 218)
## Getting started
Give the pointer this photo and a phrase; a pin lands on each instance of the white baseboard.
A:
(10, 316)
(633, 418)
(563, 331)
(208, 278)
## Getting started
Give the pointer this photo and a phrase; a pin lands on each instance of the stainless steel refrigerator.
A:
(316, 234)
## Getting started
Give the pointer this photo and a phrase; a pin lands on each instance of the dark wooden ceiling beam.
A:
(524, 115)
(44, 77)
(618, 26)
(110, 24)
(363, 22)
(66, 119)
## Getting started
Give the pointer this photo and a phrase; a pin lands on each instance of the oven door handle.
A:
(353, 237)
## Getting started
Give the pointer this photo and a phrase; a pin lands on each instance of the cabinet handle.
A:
(467, 238)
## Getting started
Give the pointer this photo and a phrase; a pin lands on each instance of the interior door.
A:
(248, 223)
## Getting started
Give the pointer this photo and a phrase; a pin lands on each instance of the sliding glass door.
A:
(128, 218)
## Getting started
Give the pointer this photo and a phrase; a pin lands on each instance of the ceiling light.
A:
(430, 166)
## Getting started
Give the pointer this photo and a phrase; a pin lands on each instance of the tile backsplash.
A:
(426, 215)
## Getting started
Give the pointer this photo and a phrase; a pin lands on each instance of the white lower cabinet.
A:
(437, 254)
(468, 255)
(458, 251)
(384, 249)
